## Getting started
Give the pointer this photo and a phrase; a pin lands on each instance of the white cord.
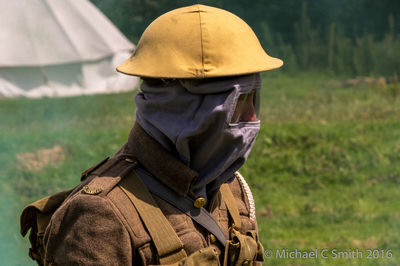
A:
(249, 195)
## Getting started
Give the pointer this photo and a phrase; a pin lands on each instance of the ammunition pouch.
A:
(36, 217)
(243, 249)
(205, 256)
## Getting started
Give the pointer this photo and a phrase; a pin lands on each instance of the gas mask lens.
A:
(247, 108)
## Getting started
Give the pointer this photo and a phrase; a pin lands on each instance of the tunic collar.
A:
(158, 161)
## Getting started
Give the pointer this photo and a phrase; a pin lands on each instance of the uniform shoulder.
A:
(103, 177)
(91, 194)
(92, 226)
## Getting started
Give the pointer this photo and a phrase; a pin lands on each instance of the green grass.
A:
(325, 169)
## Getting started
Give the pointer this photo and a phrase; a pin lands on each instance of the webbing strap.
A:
(169, 246)
(231, 205)
(184, 204)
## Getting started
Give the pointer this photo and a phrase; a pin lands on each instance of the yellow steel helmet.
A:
(198, 42)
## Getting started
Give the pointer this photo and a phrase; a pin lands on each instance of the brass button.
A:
(200, 202)
(246, 262)
(213, 239)
(129, 160)
(91, 191)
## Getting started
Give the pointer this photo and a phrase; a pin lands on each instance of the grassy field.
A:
(325, 170)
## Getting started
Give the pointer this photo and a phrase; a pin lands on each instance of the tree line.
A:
(350, 37)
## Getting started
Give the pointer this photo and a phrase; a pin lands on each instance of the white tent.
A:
(59, 48)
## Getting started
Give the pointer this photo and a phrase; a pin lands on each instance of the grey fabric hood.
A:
(191, 119)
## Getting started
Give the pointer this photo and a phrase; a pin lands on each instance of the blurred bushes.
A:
(331, 50)
(345, 37)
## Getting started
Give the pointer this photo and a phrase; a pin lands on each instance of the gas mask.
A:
(210, 124)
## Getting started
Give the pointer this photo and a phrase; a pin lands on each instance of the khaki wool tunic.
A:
(105, 228)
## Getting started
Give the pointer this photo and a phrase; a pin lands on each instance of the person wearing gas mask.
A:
(173, 194)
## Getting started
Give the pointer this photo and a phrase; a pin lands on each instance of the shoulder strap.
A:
(184, 204)
(231, 205)
(169, 246)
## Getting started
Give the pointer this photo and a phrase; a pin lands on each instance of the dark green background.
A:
(349, 37)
